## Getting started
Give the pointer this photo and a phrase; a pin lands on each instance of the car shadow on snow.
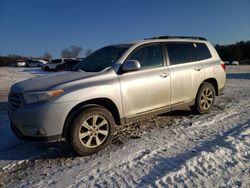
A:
(166, 165)
(178, 113)
(24, 150)
(3, 106)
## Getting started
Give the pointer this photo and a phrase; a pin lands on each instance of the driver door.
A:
(147, 89)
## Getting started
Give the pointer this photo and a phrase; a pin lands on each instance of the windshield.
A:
(101, 59)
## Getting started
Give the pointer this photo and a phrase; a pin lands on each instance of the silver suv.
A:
(115, 85)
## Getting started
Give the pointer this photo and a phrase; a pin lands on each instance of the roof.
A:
(163, 39)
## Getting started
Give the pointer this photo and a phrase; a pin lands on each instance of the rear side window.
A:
(202, 51)
(56, 61)
(193, 52)
(148, 56)
(179, 53)
(184, 52)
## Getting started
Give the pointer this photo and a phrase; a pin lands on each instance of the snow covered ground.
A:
(177, 149)
(11, 75)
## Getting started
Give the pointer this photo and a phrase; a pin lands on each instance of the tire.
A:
(46, 68)
(58, 68)
(205, 98)
(95, 136)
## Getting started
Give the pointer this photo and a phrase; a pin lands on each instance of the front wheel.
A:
(205, 98)
(46, 68)
(91, 131)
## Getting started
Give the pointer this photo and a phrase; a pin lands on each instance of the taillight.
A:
(223, 65)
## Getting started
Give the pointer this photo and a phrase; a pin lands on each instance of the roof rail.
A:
(176, 37)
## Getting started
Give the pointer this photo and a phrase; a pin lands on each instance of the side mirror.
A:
(131, 65)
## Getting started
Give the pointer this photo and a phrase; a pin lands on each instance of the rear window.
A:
(184, 52)
(178, 53)
(202, 51)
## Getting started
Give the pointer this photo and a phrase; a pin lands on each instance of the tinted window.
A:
(178, 53)
(148, 56)
(202, 51)
(193, 52)
(56, 61)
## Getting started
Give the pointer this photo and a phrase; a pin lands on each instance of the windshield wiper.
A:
(107, 68)
(80, 70)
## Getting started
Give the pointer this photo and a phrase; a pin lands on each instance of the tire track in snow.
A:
(213, 166)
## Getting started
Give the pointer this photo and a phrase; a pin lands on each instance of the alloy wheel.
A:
(94, 131)
(207, 98)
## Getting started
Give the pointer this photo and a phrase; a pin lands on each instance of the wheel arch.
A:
(103, 102)
(46, 68)
(212, 81)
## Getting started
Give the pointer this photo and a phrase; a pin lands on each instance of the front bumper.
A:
(41, 121)
(19, 134)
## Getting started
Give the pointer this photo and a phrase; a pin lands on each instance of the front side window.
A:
(148, 56)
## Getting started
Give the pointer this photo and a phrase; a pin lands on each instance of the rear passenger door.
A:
(186, 73)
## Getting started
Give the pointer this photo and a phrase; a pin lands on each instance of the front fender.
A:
(111, 92)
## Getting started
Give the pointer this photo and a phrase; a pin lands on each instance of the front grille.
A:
(14, 101)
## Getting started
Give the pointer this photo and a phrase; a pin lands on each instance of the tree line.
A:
(71, 52)
(13, 58)
(240, 51)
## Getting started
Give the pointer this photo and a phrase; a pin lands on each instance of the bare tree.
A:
(72, 52)
(47, 56)
(75, 50)
(66, 53)
(88, 52)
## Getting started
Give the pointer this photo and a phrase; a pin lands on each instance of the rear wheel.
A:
(205, 98)
(58, 68)
(91, 131)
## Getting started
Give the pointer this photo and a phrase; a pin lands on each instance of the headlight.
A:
(34, 97)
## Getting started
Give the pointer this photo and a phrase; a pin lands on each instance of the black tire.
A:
(205, 99)
(94, 138)
(46, 68)
(58, 68)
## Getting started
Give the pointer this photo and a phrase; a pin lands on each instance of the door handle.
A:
(164, 75)
(197, 68)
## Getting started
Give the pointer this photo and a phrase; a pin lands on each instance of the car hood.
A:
(47, 82)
